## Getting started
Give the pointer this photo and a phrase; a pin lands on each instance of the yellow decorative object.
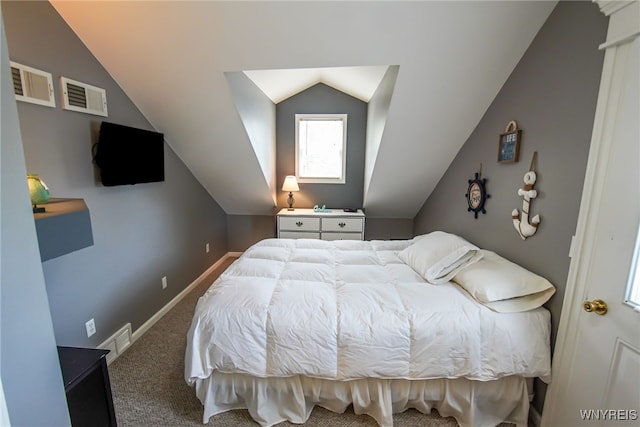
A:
(38, 191)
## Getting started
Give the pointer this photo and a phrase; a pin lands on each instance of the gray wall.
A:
(377, 112)
(245, 230)
(258, 114)
(388, 229)
(141, 232)
(552, 94)
(29, 366)
(322, 99)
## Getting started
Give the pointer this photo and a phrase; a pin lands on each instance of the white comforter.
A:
(351, 309)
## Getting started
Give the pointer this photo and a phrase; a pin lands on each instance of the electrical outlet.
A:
(164, 282)
(206, 248)
(91, 327)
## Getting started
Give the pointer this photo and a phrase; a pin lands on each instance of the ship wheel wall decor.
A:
(477, 195)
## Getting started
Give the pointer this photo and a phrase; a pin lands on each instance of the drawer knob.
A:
(299, 223)
(342, 224)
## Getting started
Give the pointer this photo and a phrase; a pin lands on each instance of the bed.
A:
(380, 325)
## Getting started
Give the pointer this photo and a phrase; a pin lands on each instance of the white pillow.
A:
(520, 304)
(438, 256)
(503, 285)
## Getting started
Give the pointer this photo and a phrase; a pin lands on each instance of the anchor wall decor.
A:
(523, 226)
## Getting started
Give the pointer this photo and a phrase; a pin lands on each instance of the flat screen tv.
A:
(127, 155)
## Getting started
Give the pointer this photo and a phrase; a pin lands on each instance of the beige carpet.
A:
(148, 384)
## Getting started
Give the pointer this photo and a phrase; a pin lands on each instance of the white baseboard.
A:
(534, 417)
(164, 310)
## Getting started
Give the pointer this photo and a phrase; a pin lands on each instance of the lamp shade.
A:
(290, 184)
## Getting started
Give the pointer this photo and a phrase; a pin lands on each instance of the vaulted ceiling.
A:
(173, 59)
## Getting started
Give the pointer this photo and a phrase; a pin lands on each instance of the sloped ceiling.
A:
(171, 57)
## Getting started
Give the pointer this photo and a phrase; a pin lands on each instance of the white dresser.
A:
(333, 225)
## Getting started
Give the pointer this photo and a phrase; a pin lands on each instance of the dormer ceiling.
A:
(278, 85)
(180, 63)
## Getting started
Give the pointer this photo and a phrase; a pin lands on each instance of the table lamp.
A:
(290, 185)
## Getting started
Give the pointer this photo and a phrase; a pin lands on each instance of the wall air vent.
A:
(32, 85)
(82, 97)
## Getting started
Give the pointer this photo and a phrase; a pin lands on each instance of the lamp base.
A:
(36, 209)
(290, 201)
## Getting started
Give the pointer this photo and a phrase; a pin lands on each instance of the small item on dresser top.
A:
(350, 209)
(316, 208)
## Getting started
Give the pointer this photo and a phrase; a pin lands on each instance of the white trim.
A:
(609, 7)
(620, 40)
(624, 25)
(164, 310)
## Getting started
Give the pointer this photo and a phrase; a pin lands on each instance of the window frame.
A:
(321, 117)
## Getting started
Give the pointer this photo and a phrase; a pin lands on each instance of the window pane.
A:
(320, 147)
(633, 287)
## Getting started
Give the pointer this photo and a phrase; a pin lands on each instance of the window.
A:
(633, 285)
(321, 148)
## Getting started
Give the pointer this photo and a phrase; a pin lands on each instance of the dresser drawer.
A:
(342, 224)
(299, 235)
(341, 236)
(333, 224)
(300, 224)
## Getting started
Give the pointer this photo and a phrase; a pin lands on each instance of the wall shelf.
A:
(65, 227)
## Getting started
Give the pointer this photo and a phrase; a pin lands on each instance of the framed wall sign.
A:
(509, 144)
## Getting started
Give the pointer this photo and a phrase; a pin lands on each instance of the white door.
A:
(596, 366)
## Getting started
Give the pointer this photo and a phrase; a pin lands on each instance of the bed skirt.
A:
(273, 400)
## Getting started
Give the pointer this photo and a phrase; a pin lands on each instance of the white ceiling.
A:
(170, 58)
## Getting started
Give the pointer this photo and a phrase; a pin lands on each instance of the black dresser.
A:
(86, 383)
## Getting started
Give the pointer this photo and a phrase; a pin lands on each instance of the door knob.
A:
(597, 305)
